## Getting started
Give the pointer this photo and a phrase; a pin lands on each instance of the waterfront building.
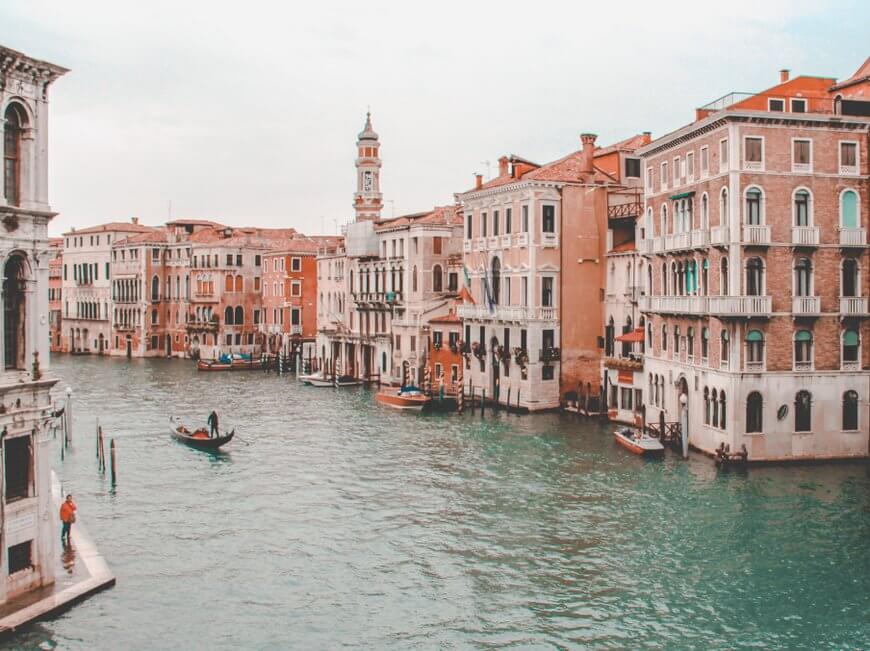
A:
(150, 276)
(55, 293)
(445, 355)
(289, 295)
(86, 285)
(755, 230)
(535, 242)
(28, 519)
(391, 277)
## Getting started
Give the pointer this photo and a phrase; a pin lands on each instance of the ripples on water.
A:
(333, 522)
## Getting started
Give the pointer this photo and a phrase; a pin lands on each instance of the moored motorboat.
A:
(229, 364)
(198, 438)
(347, 381)
(316, 380)
(639, 443)
(407, 398)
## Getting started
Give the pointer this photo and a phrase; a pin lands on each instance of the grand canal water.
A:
(336, 523)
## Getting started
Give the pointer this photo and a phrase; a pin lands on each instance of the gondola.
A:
(198, 438)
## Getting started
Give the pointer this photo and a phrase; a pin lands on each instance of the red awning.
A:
(633, 337)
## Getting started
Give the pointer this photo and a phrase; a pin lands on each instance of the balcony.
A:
(547, 313)
(756, 235)
(645, 247)
(853, 305)
(658, 244)
(624, 363)
(466, 246)
(805, 235)
(806, 306)
(498, 313)
(849, 170)
(480, 244)
(550, 355)
(678, 241)
(505, 241)
(549, 240)
(753, 165)
(802, 168)
(674, 304)
(853, 237)
(521, 239)
(720, 236)
(850, 365)
(492, 242)
(296, 329)
(803, 366)
(754, 367)
(700, 238)
(740, 306)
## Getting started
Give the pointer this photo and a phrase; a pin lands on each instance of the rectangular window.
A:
(524, 291)
(20, 557)
(296, 288)
(295, 316)
(453, 281)
(848, 158)
(547, 372)
(524, 218)
(547, 291)
(663, 177)
(483, 224)
(229, 259)
(507, 221)
(468, 228)
(413, 343)
(256, 317)
(436, 245)
(18, 467)
(723, 154)
(257, 261)
(705, 161)
(625, 396)
(107, 271)
(798, 105)
(690, 166)
(632, 167)
(296, 263)
(256, 283)
(774, 104)
(676, 171)
(548, 219)
(495, 230)
(801, 158)
(399, 343)
(238, 260)
(649, 179)
(753, 152)
(155, 255)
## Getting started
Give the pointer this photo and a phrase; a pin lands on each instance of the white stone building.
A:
(27, 516)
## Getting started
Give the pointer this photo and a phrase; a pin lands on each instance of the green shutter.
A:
(754, 335)
(803, 335)
(849, 210)
(850, 338)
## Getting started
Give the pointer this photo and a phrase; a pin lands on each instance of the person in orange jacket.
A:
(67, 517)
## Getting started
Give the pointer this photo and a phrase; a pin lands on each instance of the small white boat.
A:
(316, 380)
(639, 443)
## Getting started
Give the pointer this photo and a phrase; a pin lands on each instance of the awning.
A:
(683, 195)
(633, 337)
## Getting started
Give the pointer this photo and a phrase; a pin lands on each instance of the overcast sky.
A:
(248, 114)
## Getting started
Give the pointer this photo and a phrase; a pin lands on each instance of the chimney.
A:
(134, 220)
(647, 137)
(503, 166)
(478, 181)
(783, 75)
(588, 141)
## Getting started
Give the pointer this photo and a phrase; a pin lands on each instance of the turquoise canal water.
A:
(334, 522)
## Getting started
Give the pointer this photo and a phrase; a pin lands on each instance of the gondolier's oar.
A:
(236, 437)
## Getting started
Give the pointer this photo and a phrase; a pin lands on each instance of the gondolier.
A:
(213, 424)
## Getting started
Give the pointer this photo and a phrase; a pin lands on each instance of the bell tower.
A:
(368, 201)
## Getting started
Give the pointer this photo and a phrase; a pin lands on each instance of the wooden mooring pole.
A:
(114, 473)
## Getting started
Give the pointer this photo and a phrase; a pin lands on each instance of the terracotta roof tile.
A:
(124, 227)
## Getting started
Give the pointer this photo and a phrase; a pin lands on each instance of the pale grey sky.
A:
(247, 113)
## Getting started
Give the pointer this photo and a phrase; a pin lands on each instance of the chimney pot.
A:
(503, 166)
(135, 220)
(588, 142)
(783, 75)
(478, 181)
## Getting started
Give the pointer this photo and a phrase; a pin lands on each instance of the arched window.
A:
(803, 277)
(714, 403)
(849, 209)
(240, 315)
(15, 122)
(240, 284)
(803, 349)
(228, 284)
(705, 212)
(155, 289)
(609, 334)
(850, 348)
(664, 220)
(187, 287)
(228, 316)
(706, 406)
(723, 277)
(690, 342)
(754, 349)
(754, 421)
(705, 268)
(383, 362)
(803, 415)
(724, 209)
(754, 277)
(496, 280)
(650, 226)
(414, 279)
(649, 335)
(437, 278)
(664, 337)
(849, 281)
(664, 279)
(753, 215)
(724, 347)
(850, 411)
(177, 287)
(705, 343)
(676, 340)
(14, 277)
(722, 410)
(802, 215)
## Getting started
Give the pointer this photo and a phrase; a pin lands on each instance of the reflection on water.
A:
(68, 558)
(330, 521)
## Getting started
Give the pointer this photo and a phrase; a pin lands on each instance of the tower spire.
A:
(368, 201)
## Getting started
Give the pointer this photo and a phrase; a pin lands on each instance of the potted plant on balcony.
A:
(521, 357)
(478, 350)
